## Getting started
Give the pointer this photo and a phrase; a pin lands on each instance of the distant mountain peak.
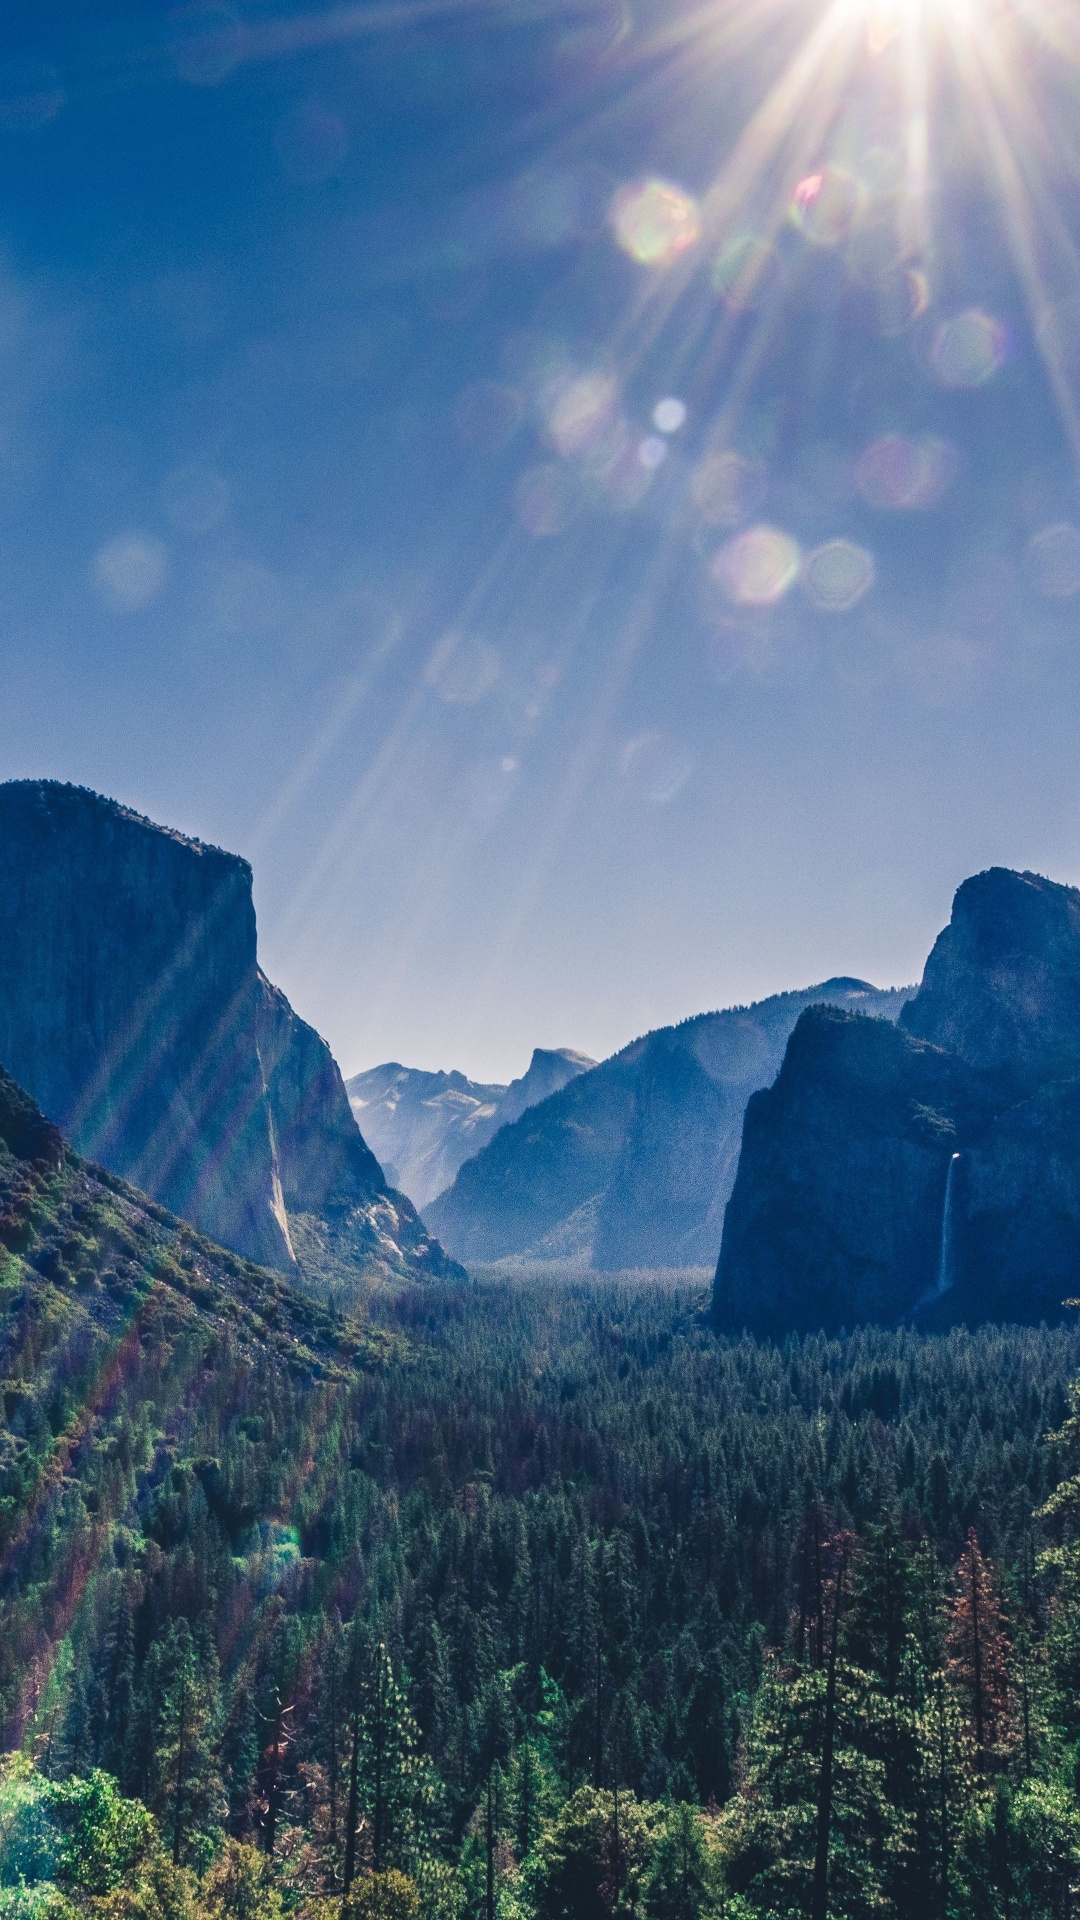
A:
(631, 1163)
(542, 1054)
(426, 1124)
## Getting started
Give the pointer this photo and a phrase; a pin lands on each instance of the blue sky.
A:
(336, 524)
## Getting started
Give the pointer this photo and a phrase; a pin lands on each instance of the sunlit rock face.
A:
(631, 1165)
(133, 1009)
(838, 1211)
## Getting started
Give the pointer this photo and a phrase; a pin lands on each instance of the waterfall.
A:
(945, 1274)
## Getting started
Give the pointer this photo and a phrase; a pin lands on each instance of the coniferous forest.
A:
(531, 1599)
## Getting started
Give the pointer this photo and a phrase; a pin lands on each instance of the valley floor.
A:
(550, 1605)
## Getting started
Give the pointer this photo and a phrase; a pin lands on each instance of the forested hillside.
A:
(531, 1601)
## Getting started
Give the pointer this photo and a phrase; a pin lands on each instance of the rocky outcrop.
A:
(424, 1126)
(549, 1070)
(133, 1010)
(836, 1213)
(845, 1209)
(1002, 984)
(631, 1164)
(24, 1130)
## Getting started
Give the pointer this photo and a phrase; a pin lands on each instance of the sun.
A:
(889, 20)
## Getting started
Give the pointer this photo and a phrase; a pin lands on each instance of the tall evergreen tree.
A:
(180, 1703)
(978, 1655)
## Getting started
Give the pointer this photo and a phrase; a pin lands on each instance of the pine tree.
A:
(946, 1753)
(1020, 1854)
(579, 1871)
(978, 1655)
(772, 1828)
(278, 1708)
(184, 1789)
(390, 1803)
(532, 1795)
(332, 1720)
(120, 1686)
(432, 1691)
(74, 1753)
(681, 1882)
(819, 1898)
(882, 1603)
(1060, 1565)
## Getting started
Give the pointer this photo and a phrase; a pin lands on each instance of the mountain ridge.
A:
(631, 1164)
(423, 1125)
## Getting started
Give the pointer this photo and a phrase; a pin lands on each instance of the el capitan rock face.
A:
(843, 1209)
(133, 1010)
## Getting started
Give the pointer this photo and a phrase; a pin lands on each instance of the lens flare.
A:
(884, 20)
(900, 471)
(654, 222)
(652, 452)
(130, 571)
(593, 37)
(462, 669)
(1053, 561)
(578, 410)
(838, 575)
(544, 501)
(656, 766)
(669, 415)
(615, 476)
(902, 298)
(727, 488)
(757, 567)
(825, 206)
(969, 349)
(744, 271)
(740, 646)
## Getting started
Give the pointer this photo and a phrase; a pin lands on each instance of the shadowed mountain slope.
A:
(930, 1170)
(125, 1337)
(631, 1164)
(424, 1125)
(133, 1009)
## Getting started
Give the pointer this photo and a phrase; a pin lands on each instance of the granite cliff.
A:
(631, 1164)
(423, 1126)
(133, 1010)
(1001, 986)
(929, 1171)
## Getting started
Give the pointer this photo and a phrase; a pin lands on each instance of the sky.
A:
(581, 493)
